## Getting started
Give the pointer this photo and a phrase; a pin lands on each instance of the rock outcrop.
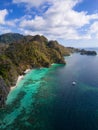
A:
(19, 53)
(4, 90)
(85, 52)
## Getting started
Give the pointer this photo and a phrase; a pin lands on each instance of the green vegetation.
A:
(8, 70)
(18, 53)
(10, 38)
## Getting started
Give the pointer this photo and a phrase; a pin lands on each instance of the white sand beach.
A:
(20, 77)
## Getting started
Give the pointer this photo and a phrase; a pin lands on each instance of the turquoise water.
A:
(46, 100)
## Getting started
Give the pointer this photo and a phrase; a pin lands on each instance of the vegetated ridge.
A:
(18, 53)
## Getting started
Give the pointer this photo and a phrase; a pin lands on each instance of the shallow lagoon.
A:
(46, 100)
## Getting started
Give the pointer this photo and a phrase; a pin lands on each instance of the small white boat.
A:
(73, 83)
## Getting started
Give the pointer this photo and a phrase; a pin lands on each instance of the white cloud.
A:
(3, 21)
(4, 30)
(31, 3)
(59, 21)
(38, 22)
(11, 23)
(94, 29)
(3, 14)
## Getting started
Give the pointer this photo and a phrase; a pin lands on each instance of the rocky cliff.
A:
(18, 53)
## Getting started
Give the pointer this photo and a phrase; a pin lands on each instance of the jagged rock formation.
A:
(18, 53)
(3, 92)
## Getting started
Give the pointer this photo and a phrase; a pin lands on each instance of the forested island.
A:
(85, 52)
(19, 53)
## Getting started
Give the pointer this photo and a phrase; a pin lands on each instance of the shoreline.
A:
(20, 77)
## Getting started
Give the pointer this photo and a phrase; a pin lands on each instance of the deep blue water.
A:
(46, 100)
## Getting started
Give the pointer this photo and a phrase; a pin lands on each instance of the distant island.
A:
(85, 52)
(19, 53)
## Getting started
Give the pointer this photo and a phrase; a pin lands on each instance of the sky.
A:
(71, 22)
